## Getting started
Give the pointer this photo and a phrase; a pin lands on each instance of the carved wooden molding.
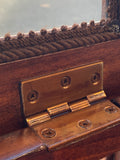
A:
(37, 44)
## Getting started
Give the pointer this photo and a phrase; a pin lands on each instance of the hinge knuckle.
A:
(96, 96)
(58, 109)
(79, 105)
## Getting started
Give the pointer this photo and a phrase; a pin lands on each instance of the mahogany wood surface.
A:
(18, 143)
(12, 118)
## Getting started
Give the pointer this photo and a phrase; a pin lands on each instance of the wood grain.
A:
(11, 74)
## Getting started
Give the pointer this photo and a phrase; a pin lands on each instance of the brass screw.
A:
(33, 96)
(85, 123)
(95, 78)
(65, 82)
(48, 132)
(110, 109)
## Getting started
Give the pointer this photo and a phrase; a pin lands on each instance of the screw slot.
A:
(33, 96)
(48, 133)
(95, 78)
(110, 109)
(65, 82)
(84, 124)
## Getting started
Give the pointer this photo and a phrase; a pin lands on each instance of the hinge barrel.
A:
(58, 109)
(79, 105)
(96, 96)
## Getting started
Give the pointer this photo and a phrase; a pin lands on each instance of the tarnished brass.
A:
(96, 96)
(66, 86)
(48, 132)
(65, 108)
(38, 118)
(85, 123)
(110, 109)
(45, 116)
(58, 109)
(74, 126)
(79, 105)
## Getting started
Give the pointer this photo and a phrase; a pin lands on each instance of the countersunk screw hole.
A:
(110, 109)
(65, 82)
(84, 124)
(48, 132)
(95, 78)
(32, 96)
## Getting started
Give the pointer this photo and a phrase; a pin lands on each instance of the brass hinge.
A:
(63, 108)
(67, 91)
(68, 105)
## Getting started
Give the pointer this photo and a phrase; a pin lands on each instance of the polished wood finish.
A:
(11, 115)
(19, 143)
